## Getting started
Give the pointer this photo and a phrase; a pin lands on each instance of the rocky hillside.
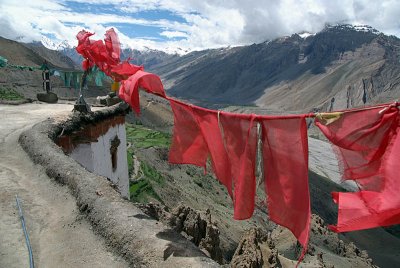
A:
(339, 67)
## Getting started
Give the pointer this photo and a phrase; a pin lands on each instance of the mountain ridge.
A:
(244, 75)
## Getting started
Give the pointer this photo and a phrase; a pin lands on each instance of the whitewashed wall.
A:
(96, 157)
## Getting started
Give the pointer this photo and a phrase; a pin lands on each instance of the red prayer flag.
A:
(129, 91)
(111, 41)
(240, 134)
(124, 70)
(196, 136)
(197, 133)
(188, 145)
(105, 54)
(83, 45)
(208, 123)
(368, 148)
(285, 155)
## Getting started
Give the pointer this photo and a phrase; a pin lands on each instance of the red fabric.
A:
(87, 64)
(124, 70)
(149, 82)
(188, 145)
(208, 123)
(105, 55)
(368, 147)
(129, 91)
(83, 43)
(196, 136)
(285, 155)
(240, 134)
(111, 41)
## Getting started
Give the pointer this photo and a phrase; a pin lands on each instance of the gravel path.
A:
(60, 236)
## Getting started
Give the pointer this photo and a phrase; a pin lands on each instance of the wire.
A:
(28, 243)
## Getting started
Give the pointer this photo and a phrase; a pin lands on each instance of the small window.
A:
(113, 151)
(114, 160)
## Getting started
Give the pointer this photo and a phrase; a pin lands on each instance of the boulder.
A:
(48, 97)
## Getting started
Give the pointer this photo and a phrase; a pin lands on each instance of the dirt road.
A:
(60, 236)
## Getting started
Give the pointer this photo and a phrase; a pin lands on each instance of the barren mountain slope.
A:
(54, 57)
(292, 73)
(356, 78)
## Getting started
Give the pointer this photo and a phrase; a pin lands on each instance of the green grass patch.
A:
(142, 137)
(142, 189)
(151, 173)
(10, 94)
(130, 153)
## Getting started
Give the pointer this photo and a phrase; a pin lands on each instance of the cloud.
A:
(381, 14)
(173, 34)
(190, 24)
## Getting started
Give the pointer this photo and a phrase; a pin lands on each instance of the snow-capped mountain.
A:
(355, 27)
(305, 34)
(50, 44)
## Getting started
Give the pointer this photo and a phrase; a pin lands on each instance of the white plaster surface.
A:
(83, 155)
(96, 157)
